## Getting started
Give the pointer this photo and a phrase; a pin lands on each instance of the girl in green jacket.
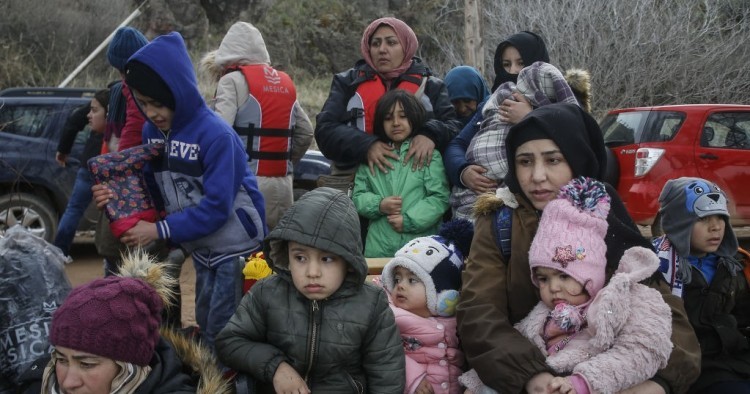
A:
(402, 203)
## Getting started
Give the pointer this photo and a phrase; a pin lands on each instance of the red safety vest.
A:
(266, 119)
(362, 105)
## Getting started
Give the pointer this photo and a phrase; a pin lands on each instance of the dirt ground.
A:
(87, 266)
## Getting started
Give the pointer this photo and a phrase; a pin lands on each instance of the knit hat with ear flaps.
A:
(685, 200)
(124, 44)
(437, 261)
(571, 234)
(113, 317)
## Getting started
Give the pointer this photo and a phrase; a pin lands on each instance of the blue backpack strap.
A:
(503, 222)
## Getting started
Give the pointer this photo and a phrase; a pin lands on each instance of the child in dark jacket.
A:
(697, 255)
(316, 326)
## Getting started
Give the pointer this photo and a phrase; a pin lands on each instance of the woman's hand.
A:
(102, 194)
(421, 149)
(142, 233)
(378, 155)
(424, 387)
(538, 383)
(286, 380)
(473, 178)
(512, 111)
(391, 205)
(397, 222)
(560, 385)
(61, 158)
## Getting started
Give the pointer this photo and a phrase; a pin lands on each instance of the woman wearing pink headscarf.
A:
(344, 126)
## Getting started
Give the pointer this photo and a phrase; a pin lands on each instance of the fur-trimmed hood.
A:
(579, 81)
(199, 359)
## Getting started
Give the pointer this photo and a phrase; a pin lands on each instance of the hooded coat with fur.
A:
(626, 339)
(357, 348)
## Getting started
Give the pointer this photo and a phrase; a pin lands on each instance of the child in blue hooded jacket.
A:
(213, 207)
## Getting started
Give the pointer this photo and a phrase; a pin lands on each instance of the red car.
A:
(655, 144)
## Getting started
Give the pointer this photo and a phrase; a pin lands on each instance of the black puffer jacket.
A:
(347, 343)
(720, 315)
(347, 146)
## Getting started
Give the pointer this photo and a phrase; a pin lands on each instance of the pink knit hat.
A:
(571, 234)
(112, 317)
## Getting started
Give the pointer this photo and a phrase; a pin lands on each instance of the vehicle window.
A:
(727, 130)
(623, 128)
(662, 126)
(26, 120)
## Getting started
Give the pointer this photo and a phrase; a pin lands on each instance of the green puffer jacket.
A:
(425, 198)
(347, 343)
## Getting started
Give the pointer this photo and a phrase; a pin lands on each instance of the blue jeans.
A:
(218, 291)
(79, 200)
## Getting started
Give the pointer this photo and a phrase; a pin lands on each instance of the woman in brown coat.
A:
(545, 150)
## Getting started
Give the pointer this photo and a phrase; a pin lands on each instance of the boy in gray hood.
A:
(316, 325)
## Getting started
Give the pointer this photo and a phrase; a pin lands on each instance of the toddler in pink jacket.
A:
(423, 282)
(598, 337)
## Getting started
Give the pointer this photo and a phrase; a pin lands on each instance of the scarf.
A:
(406, 37)
(126, 381)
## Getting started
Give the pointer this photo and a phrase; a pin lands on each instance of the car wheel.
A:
(32, 212)
(656, 230)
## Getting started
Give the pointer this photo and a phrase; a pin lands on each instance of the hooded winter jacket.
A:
(347, 146)
(626, 339)
(424, 196)
(347, 343)
(243, 45)
(212, 200)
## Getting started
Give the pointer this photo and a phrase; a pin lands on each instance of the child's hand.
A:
(391, 205)
(286, 380)
(378, 155)
(102, 194)
(397, 222)
(538, 383)
(142, 233)
(424, 387)
(560, 385)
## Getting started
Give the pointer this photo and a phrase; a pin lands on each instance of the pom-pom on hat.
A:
(571, 234)
(124, 44)
(437, 261)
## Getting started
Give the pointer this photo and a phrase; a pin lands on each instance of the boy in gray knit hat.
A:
(699, 259)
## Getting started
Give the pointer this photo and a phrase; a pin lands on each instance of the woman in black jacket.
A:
(388, 47)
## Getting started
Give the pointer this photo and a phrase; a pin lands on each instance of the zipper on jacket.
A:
(313, 337)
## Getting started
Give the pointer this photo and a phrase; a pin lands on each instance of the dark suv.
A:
(34, 189)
